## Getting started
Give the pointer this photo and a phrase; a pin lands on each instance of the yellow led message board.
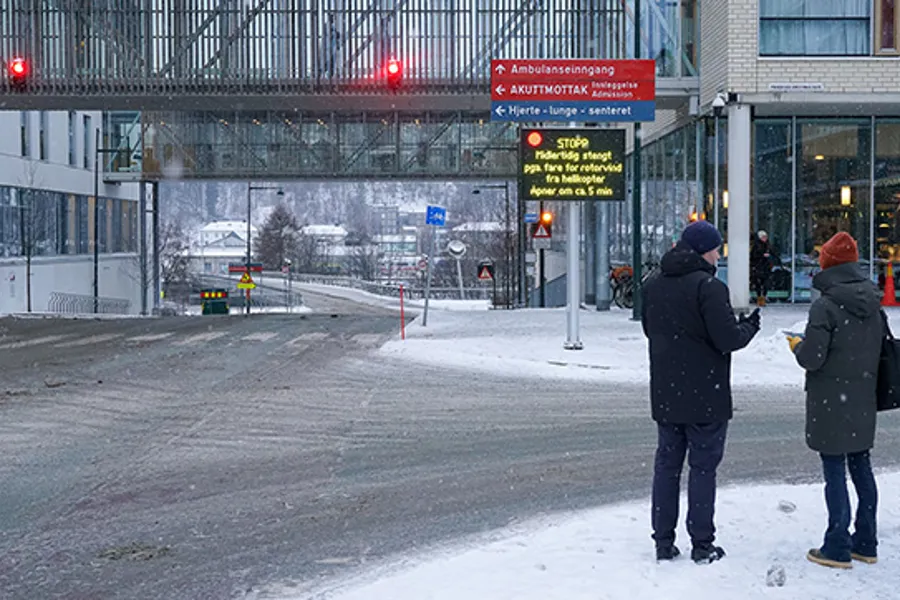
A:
(572, 164)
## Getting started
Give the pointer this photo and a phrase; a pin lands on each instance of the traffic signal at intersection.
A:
(394, 73)
(18, 72)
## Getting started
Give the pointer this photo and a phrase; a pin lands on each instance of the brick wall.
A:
(749, 73)
(714, 48)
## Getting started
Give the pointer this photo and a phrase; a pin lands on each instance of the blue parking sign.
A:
(436, 216)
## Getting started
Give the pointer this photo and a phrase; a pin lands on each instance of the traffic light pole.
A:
(543, 295)
(573, 274)
(636, 253)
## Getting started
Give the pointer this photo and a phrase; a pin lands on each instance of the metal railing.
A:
(207, 48)
(62, 302)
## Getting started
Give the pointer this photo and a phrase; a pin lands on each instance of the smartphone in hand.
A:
(794, 334)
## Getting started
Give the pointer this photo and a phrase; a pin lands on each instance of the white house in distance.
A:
(220, 243)
(47, 184)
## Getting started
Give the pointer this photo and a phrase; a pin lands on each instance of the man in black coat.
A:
(760, 266)
(840, 352)
(692, 329)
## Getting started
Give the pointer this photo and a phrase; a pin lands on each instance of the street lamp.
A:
(250, 188)
(505, 187)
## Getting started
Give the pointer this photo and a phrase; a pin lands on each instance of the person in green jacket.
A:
(840, 351)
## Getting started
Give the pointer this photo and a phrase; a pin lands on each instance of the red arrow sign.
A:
(571, 70)
(593, 91)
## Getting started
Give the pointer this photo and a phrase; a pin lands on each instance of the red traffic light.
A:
(394, 73)
(534, 139)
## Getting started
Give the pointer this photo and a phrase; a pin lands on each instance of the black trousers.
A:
(704, 446)
(760, 283)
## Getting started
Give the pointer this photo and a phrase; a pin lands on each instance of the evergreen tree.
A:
(277, 238)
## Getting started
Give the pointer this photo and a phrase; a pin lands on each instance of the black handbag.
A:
(888, 387)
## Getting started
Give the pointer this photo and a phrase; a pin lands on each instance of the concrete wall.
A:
(119, 279)
(70, 274)
(55, 173)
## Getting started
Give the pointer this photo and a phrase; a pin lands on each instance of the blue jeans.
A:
(838, 541)
(706, 444)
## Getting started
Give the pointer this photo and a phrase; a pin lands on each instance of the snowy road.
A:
(214, 457)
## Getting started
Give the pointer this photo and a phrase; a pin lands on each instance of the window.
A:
(887, 25)
(25, 146)
(72, 138)
(44, 135)
(87, 142)
(815, 27)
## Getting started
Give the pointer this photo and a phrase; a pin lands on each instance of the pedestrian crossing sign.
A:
(246, 282)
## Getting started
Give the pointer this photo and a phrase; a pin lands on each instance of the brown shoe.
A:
(760, 300)
(816, 556)
(869, 560)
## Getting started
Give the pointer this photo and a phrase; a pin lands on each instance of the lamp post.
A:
(250, 188)
(508, 233)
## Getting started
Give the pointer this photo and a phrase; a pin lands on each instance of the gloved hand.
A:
(794, 341)
(753, 319)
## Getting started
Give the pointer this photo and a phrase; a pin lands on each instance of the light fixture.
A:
(820, 157)
(845, 195)
(725, 199)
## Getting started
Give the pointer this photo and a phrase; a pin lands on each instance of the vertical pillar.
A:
(604, 294)
(589, 226)
(142, 219)
(154, 189)
(573, 277)
(739, 205)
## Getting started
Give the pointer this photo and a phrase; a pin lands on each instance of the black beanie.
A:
(702, 237)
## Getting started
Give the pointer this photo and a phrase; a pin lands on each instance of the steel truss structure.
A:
(277, 145)
(287, 54)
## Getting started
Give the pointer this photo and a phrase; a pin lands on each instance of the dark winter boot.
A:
(706, 554)
(815, 555)
(667, 552)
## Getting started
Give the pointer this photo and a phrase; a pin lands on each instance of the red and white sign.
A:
(541, 232)
(573, 80)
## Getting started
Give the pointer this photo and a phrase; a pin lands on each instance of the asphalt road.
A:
(222, 457)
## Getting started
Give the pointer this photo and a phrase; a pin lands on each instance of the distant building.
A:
(214, 257)
(217, 230)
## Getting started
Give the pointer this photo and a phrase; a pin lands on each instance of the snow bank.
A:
(607, 554)
(530, 343)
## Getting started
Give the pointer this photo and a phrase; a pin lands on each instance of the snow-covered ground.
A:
(530, 343)
(607, 554)
(256, 310)
(415, 306)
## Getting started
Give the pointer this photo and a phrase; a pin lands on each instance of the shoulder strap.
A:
(887, 328)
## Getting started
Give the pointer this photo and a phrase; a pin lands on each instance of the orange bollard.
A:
(890, 294)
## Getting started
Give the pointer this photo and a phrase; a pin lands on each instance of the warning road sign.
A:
(541, 232)
(486, 271)
(246, 282)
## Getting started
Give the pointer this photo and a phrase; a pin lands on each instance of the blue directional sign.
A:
(531, 217)
(436, 215)
(578, 111)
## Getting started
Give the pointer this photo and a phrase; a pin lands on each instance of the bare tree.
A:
(174, 262)
(307, 253)
(364, 262)
(35, 219)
